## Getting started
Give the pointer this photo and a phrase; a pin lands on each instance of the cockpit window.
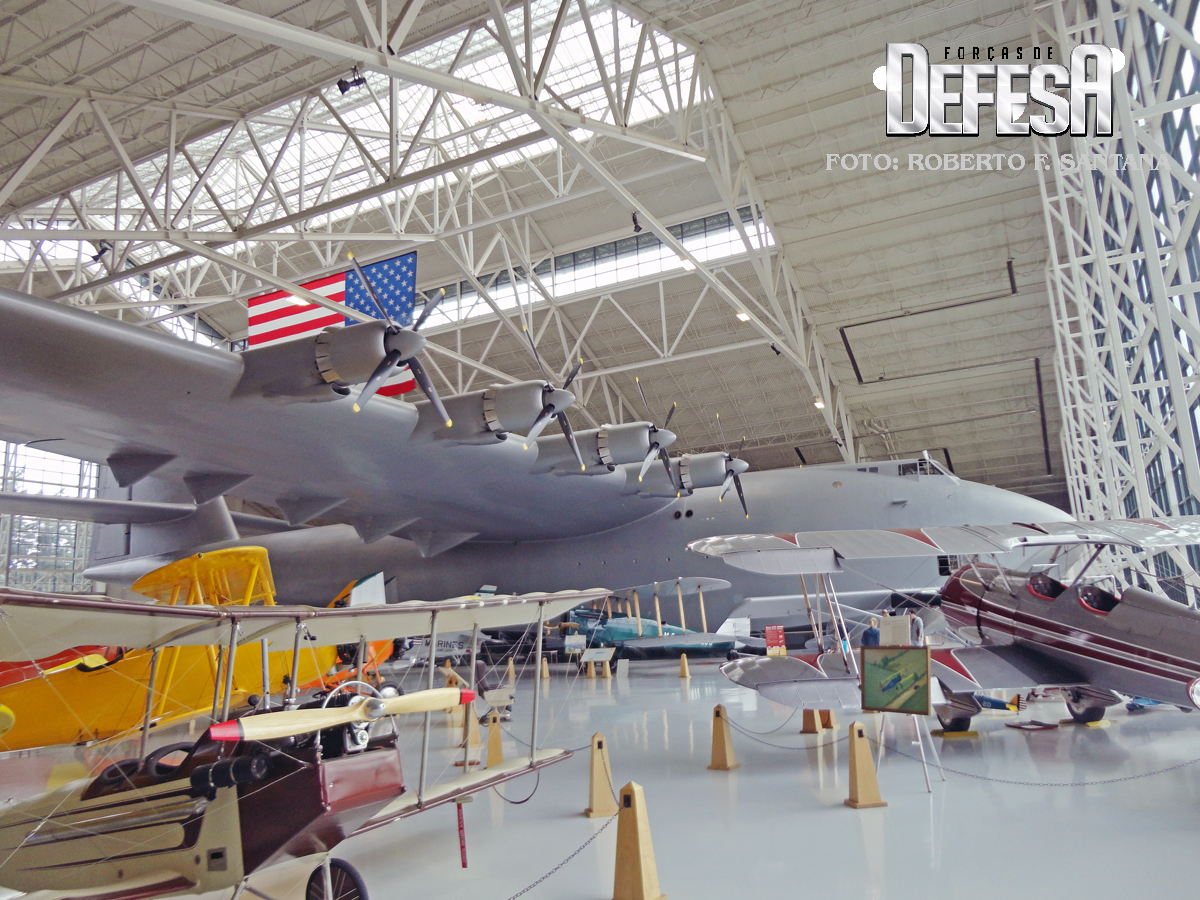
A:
(919, 467)
(1043, 586)
(1097, 599)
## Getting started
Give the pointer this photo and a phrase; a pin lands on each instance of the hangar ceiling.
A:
(168, 160)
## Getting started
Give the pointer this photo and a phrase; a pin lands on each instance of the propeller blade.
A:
(724, 443)
(643, 393)
(738, 452)
(729, 476)
(273, 726)
(666, 461)
(737, 483)
(428, 389)
(654, 448)
(574, 371)
(370, 289)
(541, 421)
(381, 374)
(565, 424)
(430, 306)
(674, 406)
(536, 355)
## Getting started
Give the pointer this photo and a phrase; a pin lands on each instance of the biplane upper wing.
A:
(819, 551)
(33, 626)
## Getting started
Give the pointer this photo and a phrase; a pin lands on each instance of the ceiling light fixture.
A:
(355, 80)
(743, 316)
(636, 226)
(819, 403)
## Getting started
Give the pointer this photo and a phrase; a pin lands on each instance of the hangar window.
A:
(44, 554)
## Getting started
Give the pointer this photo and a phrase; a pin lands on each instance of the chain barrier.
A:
(752, 735)
(1041, 783)
(581, 848)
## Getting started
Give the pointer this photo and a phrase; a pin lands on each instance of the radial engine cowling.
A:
(487, 416)
(323, 366)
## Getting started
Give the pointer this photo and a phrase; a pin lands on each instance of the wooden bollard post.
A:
(829, 720)
(864, 786)
(511, 672)
(495, 752)
(723, 757)
(684, 671)
(812, 723)
(606, 672)
(637, 875)
(591, 670)
(545, 669)
(600, 788)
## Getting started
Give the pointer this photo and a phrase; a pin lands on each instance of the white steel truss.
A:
(459, 145)
(1124, 275)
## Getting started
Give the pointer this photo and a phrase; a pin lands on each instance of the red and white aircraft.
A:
(1032, 630)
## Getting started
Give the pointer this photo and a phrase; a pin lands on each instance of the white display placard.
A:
(597, 654)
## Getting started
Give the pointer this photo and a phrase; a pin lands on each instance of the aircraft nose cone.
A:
(409, 343)
(737, 466)
(559, 398)
(665, 438)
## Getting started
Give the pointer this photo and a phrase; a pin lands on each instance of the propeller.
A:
(734, 467)
(656, 448)
(402, 345)
(273, 726)
(555, 402)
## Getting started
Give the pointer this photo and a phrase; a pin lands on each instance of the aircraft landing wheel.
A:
(1081, 713)
(347, 884)
(955, 723)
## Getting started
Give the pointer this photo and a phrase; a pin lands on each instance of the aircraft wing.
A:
(798, 682)
(271, 424)
(33, 626)
(698, 640)
(812, 552)
(1011, 667)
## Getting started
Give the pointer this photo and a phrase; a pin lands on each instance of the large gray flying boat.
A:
(442, 495)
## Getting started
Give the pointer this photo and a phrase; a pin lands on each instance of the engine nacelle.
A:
(325, 365)
(701, 470)
(484, 416)
(628, 443)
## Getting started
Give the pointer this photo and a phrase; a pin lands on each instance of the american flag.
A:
(279, 316)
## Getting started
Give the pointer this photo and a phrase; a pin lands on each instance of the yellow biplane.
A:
(102, 691)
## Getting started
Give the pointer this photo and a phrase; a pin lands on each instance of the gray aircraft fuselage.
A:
(312, 565)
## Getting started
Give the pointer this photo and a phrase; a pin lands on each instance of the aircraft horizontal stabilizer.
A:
(84, 509)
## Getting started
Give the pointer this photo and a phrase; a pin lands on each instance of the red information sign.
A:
(776, 645)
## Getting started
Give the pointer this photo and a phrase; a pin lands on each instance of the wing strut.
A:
(149, 701)
(227, 691)
(290, 701)
(541, 628)
(431, 665)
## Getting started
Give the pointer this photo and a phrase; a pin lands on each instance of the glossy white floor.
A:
(778, 827)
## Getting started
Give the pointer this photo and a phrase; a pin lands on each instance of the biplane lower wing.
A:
(410, 804)
(1009, 667)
